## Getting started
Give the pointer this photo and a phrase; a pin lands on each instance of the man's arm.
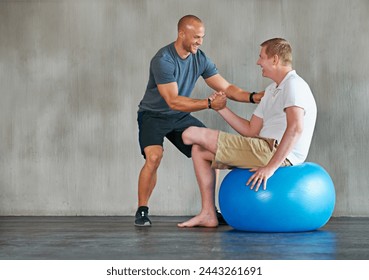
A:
(242, 126)
(218, 83)
(295, 126)
(186, 104)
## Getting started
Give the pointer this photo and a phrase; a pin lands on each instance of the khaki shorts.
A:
(243, 152)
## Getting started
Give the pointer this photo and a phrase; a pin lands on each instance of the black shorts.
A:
(154, 126)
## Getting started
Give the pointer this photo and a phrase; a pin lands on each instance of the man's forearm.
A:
(237, 94)
(186, 104)
(288, 141)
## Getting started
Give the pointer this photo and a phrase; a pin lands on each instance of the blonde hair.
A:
(280, 47)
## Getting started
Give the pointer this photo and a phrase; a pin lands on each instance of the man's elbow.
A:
(297, 131)
(174, 106)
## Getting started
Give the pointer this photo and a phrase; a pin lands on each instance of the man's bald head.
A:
(188, 20)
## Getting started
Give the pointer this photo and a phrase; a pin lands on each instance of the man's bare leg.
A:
(148, 175)
(146, 184)
(205, 175)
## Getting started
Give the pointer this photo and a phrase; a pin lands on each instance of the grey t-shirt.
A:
(167, 67)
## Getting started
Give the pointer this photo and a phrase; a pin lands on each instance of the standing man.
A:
(278, 134)
(165, 108)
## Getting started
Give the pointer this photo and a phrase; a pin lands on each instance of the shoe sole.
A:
(147, 224)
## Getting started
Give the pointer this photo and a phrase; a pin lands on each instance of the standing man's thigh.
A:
(152, 129)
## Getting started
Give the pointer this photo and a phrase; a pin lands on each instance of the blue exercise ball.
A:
(298, 198)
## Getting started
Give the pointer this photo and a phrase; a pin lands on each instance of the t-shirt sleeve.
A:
(295, 95)
(210, 69)
(259, 108)
(163, 70)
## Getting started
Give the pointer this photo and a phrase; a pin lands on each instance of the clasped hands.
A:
(218, 100)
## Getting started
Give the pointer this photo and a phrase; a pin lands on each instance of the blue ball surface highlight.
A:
(298, 198)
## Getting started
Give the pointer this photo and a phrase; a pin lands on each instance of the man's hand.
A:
(258, 96)
(218, 100)
(261, 175)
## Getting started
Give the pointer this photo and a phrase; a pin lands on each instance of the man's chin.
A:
(194, 50)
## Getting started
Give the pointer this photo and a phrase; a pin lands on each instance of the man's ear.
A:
(275, 59)
(181, 34)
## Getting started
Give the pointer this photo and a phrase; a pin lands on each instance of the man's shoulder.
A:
(296, 78)
(166, 51)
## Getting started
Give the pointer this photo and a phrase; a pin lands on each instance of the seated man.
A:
(278, 134)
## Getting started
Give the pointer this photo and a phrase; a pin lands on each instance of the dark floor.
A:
(109, 238)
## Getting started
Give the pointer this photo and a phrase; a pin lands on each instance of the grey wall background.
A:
(73, 72)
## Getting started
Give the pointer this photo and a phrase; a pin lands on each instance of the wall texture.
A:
(73, 72)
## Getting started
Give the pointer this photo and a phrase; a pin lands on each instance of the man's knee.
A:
(153, 157)
(196, 149)
(187, 135)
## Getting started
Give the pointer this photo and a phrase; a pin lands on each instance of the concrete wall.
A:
(73, 72)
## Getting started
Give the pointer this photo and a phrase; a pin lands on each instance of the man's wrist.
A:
(251, 97)
(209, 103)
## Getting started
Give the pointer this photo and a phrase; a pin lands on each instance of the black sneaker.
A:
(142, 217)
(220, 217)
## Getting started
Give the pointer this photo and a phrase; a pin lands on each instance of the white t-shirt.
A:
(292, 91)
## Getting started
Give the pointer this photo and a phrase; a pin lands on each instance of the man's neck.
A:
(183, 54)
(284, 70)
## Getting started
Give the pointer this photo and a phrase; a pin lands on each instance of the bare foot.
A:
(201, 220)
